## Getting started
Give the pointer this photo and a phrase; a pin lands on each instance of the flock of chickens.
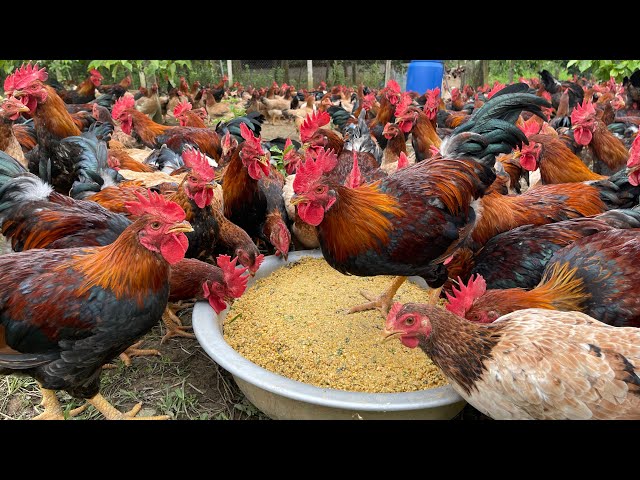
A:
(517, 203)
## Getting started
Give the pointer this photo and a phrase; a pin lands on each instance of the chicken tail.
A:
(616, 191)
(561, 288)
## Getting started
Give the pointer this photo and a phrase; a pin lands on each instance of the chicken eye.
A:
(193, 179)
(155, 225)
(410, 321)
(319, 189)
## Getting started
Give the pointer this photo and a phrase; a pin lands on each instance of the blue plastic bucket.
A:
(424, 75)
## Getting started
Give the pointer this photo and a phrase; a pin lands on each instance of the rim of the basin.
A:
(209, 335)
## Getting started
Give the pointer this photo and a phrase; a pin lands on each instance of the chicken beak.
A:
(390, 334)
(296, 199)
(17, 93)
(517, 154)
(181, 227)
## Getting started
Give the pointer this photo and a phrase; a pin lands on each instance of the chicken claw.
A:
(381, 302)
(134, 351)
(52, 408)
(111, 413)
(174, 326)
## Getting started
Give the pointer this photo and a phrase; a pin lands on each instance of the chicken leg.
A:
(381, 302)
(111, 413)
(52, 408)
(174, 326)
(134, 351)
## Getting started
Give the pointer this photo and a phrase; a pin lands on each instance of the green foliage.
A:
(277, 157)
(499, 69)
(603, 70)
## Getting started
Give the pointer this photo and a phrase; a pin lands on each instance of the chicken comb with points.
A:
(401, 108)
(393, 311)
(583, 113)
(530, 127)
(233, 277)
(95, 73)
(122, 104)
(250, 139)
(313, 122)
(23, 77)
(311, 170)
(157, 205)
(497, 86)
(198, 163)
(463, 299)
(182, 107)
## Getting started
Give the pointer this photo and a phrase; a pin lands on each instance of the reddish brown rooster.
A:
(589, 130)
(313, 133)
(411, 221)
(188, 117)
(65, 313)
(530, 364)
(85, 92)
(412, 120)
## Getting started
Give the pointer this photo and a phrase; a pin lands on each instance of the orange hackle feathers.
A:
(313, 122)
(197, 161)
(311, 170)
(462, 299)
(123, 103)
(156, 205)
(23, 77)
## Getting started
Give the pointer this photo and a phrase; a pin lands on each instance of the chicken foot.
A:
(174, 326)
(52, 408)
(381, 302)
(111, 413)
(134, 351)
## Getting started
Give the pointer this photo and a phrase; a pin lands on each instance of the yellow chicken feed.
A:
(293, 323)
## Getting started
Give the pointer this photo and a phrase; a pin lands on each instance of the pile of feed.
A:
(293, 323)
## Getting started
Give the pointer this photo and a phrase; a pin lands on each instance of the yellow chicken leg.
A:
(381, 302)
(111, 413)
(174, 326)
(52, 408)
(134, 351)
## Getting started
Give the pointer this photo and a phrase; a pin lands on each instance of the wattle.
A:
(203, 197)
(528, 162)
(311, 213)
(411, 342)
(582, 135)
(174, 247)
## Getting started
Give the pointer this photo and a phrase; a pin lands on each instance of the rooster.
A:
(65, 313)
(594, 275)
(411, 221)
(410, 119)
(313, 133)
(530, 364)
(518, 257)
(589, 130)
(556, 89)
(85, 92)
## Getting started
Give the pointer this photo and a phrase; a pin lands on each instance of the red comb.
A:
(393, 86)
(354, 179)
(122, 104)
(393, 311)
(530, 127)
(95, 73)
(634, 153)
(311, 170)
(181, 107)
(197, 161)
(403, 161)
(256, 264)
(463, 299)
(249, 138)
(23, 77)
(313, 122)
(497, 86)
(402, 106)
(235, 282)
(157, 205)
(583, 113)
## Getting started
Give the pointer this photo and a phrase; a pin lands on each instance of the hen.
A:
(65, 313)
(530, 364)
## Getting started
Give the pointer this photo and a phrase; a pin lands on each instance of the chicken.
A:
(188, 117)
(116, 88)
(518, 257)
(215, 108)
(305, 236)
(154, 135)
(149, 104)
(423, 133)
(85, 92)
(253, 193)
(312, 132)
(530, 364)
(634, 163)
(10, 110)
(607, 148)
(411, 221)
(556, 89)
(56, 157)
(396, 145)
(632, 88)
(65, 313)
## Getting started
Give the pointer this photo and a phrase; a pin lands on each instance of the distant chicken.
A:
(85, 92)
(530, 364)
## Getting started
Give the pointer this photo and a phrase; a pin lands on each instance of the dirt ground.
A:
(183, 382)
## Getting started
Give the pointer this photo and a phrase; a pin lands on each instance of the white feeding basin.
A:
(280, 397)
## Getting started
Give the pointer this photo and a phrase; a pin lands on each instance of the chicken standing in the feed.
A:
(611, 154)
(65, 313)
(410, 222)
(252, 190)
(530, 364)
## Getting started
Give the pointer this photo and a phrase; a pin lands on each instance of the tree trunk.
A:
(353, 72)
(511, 62)
(485, 71)
(475, 73)
(345, 70)
(326, 77)
(285, 68)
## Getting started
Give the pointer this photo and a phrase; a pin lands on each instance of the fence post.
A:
(387, 71)
(230, 72)
(309, 74)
